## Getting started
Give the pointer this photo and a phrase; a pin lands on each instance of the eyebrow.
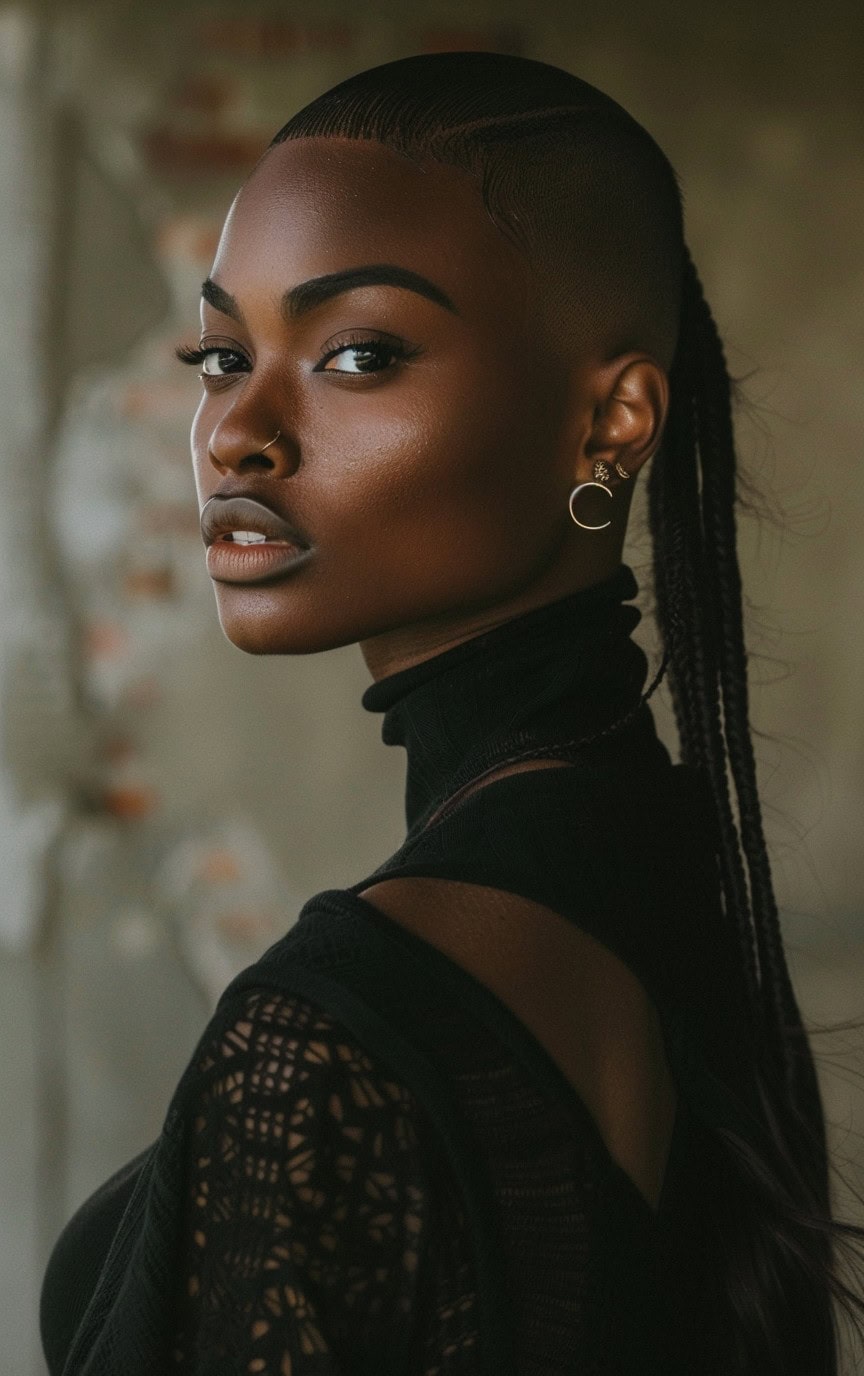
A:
(299, 300)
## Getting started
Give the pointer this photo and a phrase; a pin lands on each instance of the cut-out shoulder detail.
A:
(586, 1007)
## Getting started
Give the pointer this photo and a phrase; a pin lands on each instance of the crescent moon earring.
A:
(601, 475)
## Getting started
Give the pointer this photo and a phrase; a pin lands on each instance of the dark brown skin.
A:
(434, 491)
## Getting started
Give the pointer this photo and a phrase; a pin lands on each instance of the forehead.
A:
(318, 205)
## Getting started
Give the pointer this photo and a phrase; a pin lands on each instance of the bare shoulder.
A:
(584, 1005)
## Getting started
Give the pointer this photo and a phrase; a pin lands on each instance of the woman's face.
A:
(422, 453)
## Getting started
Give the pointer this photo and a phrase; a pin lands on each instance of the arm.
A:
(306, 1202)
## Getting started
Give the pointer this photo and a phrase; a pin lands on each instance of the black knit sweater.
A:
(370, 1165)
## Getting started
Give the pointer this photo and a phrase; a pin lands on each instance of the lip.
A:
(259, 563)
(230, 563)
(223, 514)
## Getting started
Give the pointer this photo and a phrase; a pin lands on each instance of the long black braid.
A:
(715, 452)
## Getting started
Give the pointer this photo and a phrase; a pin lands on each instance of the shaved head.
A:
(564, 171)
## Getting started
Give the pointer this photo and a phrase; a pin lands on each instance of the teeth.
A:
(248, 537)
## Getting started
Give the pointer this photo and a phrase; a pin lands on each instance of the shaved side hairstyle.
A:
(585, 193)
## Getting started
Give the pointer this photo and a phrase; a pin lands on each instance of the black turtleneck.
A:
(623, 843)
(552, 674)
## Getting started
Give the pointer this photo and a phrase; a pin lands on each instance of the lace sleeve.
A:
(306, 1202)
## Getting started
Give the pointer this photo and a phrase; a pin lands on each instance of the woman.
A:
(534, 1096)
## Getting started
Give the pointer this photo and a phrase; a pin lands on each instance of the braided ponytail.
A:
(786, 1238)
(693, 485)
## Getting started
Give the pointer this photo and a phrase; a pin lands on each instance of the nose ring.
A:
(269, 442)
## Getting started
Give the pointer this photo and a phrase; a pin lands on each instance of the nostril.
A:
(236, 460)
(256, 461)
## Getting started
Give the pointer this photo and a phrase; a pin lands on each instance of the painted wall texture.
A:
(131, 852)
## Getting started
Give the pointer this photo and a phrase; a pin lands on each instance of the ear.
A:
(631, 400)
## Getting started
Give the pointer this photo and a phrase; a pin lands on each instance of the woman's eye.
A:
(367, 354)
(214, 361)
(218, 362)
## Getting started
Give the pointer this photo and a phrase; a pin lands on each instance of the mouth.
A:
(244, 537)
(247, 542)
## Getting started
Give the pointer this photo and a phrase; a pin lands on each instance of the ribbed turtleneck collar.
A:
(550, 674)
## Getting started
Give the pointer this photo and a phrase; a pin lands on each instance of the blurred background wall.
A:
(138, 869)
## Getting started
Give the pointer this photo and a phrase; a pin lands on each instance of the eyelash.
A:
(196, 357)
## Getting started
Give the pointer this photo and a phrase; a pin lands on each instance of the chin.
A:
(260, 619)
(252, 619)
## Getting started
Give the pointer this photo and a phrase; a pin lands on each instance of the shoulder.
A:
(268, 1043)
(586, 1007)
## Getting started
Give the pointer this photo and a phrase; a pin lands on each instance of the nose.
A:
(240, 453)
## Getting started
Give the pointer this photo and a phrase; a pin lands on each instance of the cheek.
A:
(462, 488)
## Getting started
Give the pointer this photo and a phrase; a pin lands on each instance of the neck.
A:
(549, 675)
